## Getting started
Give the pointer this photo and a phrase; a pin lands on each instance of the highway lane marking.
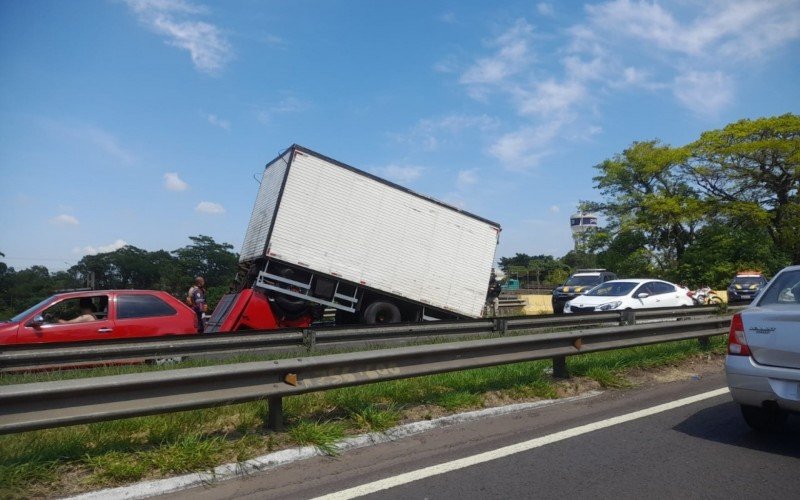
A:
(461, 463)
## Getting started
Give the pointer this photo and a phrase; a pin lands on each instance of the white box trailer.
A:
(329, 233)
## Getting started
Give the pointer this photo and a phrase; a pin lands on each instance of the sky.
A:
(144, 122)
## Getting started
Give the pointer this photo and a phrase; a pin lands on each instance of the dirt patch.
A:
(424, 412)
(695, 367)
(575, 386)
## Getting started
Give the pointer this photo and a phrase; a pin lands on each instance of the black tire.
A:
(287, 304)
(381, 313)
(290, 305)
(763, 419)
(558, 307)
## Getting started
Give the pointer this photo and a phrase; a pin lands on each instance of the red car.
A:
(98, 315)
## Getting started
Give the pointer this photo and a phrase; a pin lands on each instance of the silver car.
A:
(763, 361)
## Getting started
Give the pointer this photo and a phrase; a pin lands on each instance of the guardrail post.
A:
(627, 317)
(501, 325)
(560, 367)
(275, 413)
(309, 338)
(704, 342)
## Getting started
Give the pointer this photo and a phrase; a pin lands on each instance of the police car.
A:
(745, 286)
(579, 283)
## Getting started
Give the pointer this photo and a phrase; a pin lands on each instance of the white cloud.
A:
(174, 183)
(467, 177)
(87, 136)
(65, 220)
(289, 104)
(554, 209)
(741, 30)
(447, 65)
(208, 207)
(524, 148)
(400, 173)
(219, 122)
(449, 17)
(90, 250)
(430, 133)
(144, 7)
(512, 55)
(106, 142)
(207, 45)
(551, 97)
(705, 93)
(545, 9)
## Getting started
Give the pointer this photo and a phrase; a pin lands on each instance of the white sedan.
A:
(616, 295)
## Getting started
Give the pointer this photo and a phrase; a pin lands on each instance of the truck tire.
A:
(380, 312)
(290, 304)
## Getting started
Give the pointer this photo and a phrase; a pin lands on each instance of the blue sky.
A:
(144, 121)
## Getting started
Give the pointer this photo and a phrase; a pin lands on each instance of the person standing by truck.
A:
(196, 299)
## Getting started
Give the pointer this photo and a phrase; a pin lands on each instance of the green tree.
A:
(750, 172)
(519, 260)
(627, 255)
(216, 262)
(645, 193)
(720, 250)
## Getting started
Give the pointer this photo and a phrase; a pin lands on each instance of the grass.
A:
(79, 458)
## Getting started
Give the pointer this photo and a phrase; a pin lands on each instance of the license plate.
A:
(745, 296)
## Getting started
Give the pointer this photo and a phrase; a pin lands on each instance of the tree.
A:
(645, 193)
(750, 172)
(627, 255)
(216, 262)
(720, 250)
(519, 260)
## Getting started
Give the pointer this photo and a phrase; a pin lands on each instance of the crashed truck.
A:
(325, 235)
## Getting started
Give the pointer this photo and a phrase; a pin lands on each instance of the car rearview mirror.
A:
(642, 295)
(37, 321)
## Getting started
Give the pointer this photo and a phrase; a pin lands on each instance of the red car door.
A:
(51, 330)
(150, 314)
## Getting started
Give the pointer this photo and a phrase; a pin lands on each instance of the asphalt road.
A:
(699, 450)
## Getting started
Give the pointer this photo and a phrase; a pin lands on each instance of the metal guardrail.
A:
(43, 355)
(26, 407)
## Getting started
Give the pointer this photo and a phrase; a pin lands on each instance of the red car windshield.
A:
(26, 312)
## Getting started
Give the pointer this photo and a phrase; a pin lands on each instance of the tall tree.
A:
(750, 172)
(645, 193)
(205, 257)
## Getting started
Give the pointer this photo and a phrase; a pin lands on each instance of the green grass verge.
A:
(80, 458)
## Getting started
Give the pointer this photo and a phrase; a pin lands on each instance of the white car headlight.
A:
(567, 305)
(609, 305)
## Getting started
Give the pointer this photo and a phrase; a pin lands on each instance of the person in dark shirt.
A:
(196, 298)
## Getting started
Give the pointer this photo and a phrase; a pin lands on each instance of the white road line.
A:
(435, 470)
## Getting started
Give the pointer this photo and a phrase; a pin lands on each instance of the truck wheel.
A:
(380, 313)
(288, 304)
(291, 305)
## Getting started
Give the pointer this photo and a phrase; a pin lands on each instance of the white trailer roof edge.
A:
(305, 150)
